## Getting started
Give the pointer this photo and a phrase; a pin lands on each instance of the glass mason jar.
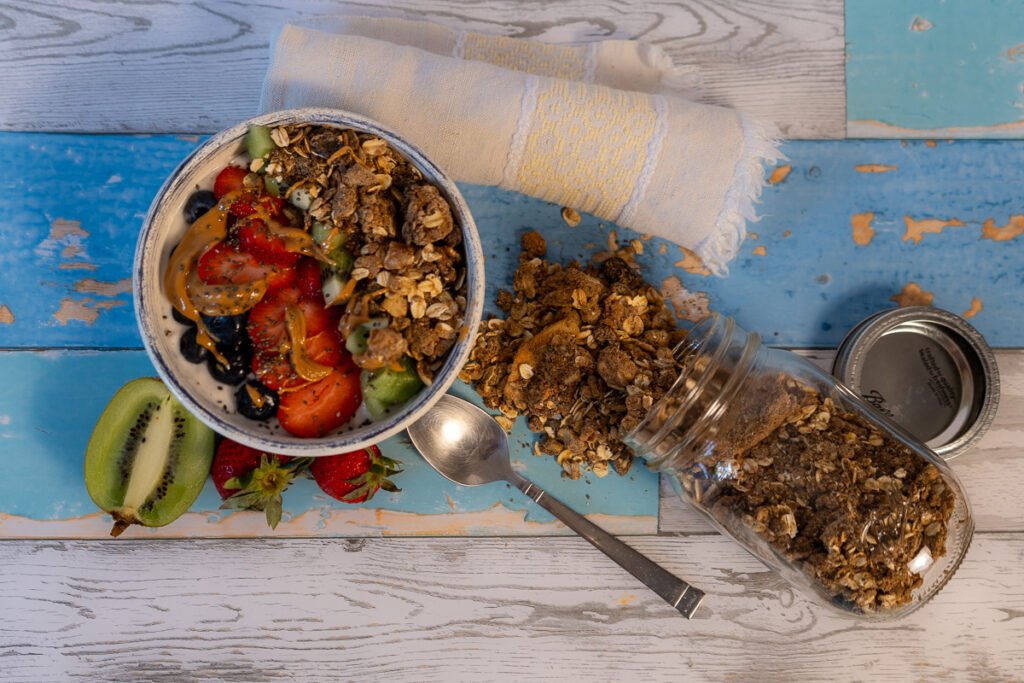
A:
(806, 476)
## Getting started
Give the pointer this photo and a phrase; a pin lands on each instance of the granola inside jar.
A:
(807, 477)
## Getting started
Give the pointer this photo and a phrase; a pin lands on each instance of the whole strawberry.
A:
(248, 479)
(354, 477)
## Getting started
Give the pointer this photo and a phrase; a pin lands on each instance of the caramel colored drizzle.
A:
(208, 230)
(258, 399)
(306, 367)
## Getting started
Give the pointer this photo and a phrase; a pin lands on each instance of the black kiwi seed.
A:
(134, 440)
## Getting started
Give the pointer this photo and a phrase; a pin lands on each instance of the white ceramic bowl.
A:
(214, 403)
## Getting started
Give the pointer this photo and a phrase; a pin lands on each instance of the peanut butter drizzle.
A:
(307, 368)
(296, 240)
(224, 299)
(194, 298)
(365, 363)
(356, 313)
(210, 228)
(258, 399)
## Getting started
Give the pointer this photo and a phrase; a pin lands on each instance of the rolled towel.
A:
(535, 118)
(624, 64)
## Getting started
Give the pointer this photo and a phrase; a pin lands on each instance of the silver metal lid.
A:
(928, 370)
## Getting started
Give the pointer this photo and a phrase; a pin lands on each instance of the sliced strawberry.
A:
(326, 348)
(275, 370)
(266, 324)
(279, 277)
(228, 180)
(267, 319)
(322, 406)
(268, 331)
(244, 206)
(307, 278)
(254, 238)
(249, 202)
(223, 264)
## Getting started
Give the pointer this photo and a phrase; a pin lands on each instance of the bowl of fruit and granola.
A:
(308, 282)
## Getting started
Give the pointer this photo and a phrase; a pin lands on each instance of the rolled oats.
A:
(544, 359)
(409, 267)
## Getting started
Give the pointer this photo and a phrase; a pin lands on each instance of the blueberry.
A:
(176, 314)
(239, 358)
(190, 348)
(199, 202)
(226, 329)
(248, 407)
(231, 375)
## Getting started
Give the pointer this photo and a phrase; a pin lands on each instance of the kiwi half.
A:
(148, 458)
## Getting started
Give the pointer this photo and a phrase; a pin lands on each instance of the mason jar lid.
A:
(928, 370)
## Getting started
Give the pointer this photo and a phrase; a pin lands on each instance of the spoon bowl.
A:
(467, 446)
(462, 442)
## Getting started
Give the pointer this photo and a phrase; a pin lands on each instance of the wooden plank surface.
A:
(536, 609)
(181, 66)
(50, 500)
(846, 227)
(919, 68)
(467, 610)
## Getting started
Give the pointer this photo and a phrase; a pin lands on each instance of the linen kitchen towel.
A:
(598, 128)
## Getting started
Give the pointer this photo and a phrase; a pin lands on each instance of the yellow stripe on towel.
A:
(529, 56)
(594, 140)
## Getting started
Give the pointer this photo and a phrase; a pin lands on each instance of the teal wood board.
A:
(68, 223)
(921, 67)
(52, 399)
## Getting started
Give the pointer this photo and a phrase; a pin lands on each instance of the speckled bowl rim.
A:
(148, 312)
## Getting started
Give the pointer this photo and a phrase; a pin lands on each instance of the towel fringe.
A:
(681, 79)
(760, 146)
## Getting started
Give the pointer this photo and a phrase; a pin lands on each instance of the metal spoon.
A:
(467, 446)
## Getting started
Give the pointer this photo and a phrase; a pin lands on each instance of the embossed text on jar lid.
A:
(928, 370)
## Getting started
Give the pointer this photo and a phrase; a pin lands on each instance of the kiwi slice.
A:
(148, 458)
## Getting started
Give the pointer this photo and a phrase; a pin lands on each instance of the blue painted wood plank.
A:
(934, 69)
(811, 285)
(52, 399)
(70, 210)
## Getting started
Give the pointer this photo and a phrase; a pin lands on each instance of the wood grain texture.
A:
(180, 66)
(991, 472)
(459, 609)
(919, 68)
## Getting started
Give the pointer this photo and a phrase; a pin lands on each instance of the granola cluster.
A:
(583, 353)
(399, 228)
(851, 505)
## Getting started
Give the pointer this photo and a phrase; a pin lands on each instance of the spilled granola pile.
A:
(582, 353)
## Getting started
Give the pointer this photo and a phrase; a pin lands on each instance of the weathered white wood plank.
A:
(991, 473)
(179, 66)
(460, 609)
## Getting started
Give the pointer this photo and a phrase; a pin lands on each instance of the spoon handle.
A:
(671, 588)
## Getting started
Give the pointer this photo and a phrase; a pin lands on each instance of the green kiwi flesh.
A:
(148, 458)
